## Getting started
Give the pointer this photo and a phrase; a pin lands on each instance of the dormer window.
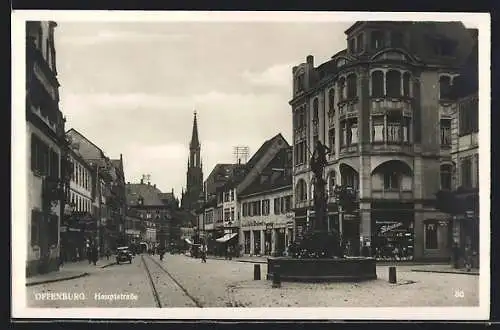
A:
(360, 41)
(377, 40)
(397, 39)
(352, 45)
(300, 83)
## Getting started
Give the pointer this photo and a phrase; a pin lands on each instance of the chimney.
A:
(154, 186)
(239, 161)
(310, 60)
(142, 181)
(128, 182)
(149, 183)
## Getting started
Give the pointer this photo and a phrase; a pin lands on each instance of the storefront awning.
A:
(188, 241)
(226, 237)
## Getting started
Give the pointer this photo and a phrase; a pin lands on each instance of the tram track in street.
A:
(156, 290)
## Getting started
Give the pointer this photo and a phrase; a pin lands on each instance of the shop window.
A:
(466, 172)
(445, 132)
(431, 236)
(352, 90)
(393, 83)
(331, 139)
(406, 84)
(377, 40)
(446, 172)
(315, 110)
(444, 87)
(392, 180)
(378, 128)
(377, 84)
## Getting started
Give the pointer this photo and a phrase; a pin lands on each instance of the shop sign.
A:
(387, 228)
(269, 226)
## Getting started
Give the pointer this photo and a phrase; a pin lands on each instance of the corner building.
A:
(384, 108)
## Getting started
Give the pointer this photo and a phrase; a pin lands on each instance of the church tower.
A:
(194, 175)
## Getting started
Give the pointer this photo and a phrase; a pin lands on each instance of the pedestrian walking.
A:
(94, 254)
(204, 253)
(108, 253)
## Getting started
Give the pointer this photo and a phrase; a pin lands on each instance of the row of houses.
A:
(76, 193)
(398, 109)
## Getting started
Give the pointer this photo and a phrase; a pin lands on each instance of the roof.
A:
(468, 81)
(74, 131)
(149, 193)
(166, 196)
(239, 173)
(271, 179)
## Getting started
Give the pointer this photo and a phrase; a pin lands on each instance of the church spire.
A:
(195, 143)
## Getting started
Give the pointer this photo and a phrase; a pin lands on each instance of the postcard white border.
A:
(19, 171)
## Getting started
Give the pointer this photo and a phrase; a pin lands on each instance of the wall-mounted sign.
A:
(269, 226)
(389, 227)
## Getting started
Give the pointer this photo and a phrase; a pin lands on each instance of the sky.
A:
(132, 88)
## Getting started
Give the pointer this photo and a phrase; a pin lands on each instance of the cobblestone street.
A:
(223, 283)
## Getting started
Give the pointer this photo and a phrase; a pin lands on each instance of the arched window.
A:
(393, 83)
(444, 87)
(352, 90)
(377, 84)
(406, 84)
(331, 99)
(341, 84)
(301, 191)
(315, 110)
(445, 173)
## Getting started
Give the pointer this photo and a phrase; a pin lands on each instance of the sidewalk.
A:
(446, 269)
(69, 271)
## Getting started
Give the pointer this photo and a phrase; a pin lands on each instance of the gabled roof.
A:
(74, 131)
(240, 173)
(271, 179)
(149, 193)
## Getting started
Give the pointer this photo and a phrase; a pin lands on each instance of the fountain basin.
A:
(353, 269)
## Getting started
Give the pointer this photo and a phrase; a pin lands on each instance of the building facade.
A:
(266, 223)
(150, 212)
(109, 201)
(464, 170)
(78, 209)
(227, 212)
(383, 106)
(45, 132)
(194, 177)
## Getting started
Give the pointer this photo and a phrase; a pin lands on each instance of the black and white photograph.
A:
(241, 165)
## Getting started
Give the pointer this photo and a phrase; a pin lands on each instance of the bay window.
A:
(377, 84)
(394, 128)
(393, 83)
(377, 128)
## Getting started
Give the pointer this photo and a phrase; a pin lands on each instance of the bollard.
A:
(256, 272)
(392, 274)
(276, 277)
